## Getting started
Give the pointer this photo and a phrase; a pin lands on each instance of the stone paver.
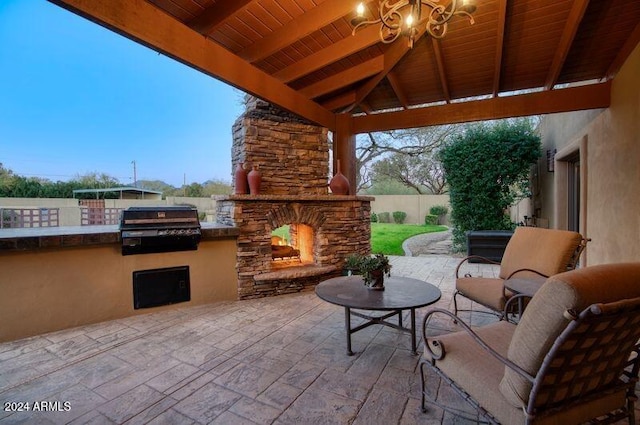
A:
(278, 360)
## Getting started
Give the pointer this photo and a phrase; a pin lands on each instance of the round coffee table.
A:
(400, 293)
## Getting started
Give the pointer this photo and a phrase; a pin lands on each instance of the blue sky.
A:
(77, 98)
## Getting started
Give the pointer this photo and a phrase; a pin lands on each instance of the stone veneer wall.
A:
(292, 154)
(341, 226)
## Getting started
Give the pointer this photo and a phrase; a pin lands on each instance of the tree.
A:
(487, 168)
(410, 143)
(422, 174)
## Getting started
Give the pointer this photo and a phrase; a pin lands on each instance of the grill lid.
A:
(159, 229)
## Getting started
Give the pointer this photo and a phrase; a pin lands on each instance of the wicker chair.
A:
(573, 356)
(532, 253)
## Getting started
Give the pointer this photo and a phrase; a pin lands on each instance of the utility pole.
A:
(135, 176)
(184, 184)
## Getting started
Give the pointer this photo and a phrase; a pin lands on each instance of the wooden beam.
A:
(624, 53)
(392, 56)
(148, 25)
(340, 101)
(344, 149)
(397, 89)
(215, 15)
(298, 28)
(343, 48)
(570, 29)
(344, 78)
(497, 63)
(365, 107)
(592, 96)
(442, 72)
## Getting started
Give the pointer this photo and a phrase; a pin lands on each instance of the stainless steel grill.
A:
(146, 230)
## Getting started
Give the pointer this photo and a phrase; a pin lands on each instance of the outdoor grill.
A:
(146, 230)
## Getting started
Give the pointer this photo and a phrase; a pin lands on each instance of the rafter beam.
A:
(298, 28)
(442, 72)
(343, 48)
(592, 96)
(392, 56)
(397, 89)
(215, 15)
(570, 29)
(624, 53)
(344, 78)
(140, 21)
(365, 107)
(497, 63)
(340, 101)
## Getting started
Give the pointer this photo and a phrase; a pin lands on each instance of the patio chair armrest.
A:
(466, 328)
(466, 259)
(508, 306)
(527, 270)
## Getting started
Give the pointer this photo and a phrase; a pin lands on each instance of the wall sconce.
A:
(551, 160)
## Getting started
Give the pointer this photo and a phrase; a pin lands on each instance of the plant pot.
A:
(377, 280)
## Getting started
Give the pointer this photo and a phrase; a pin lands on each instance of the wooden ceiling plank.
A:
(215, 15)
(570, 29)
(442, 74)
(397, 89)
(298, 28)
(344, 78)
(148, 25)
(340, 50)
(592, 96)
(624, 53)
(502, 19)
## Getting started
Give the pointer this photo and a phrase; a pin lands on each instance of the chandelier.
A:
(403, 17)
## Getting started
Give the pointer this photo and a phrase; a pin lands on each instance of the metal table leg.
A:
(414, 348)
(347, 325)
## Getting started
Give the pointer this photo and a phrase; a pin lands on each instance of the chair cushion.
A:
(476, 371)
(486, 291)
(547, 251)
(544, 320)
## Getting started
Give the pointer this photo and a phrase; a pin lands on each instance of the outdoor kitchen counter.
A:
(73, 236)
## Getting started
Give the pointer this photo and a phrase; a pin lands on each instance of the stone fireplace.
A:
(292, 156)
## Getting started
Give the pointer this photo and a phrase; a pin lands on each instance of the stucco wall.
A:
(609, 140)
(69, 209)
(48, 290)
(416, 206)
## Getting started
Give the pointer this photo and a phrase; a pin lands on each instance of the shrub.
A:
(384, 217)
(487, 169)
(431, 219)
(399, 216)
(374, 218)
(438, 210)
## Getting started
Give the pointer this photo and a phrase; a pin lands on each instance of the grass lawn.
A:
(387, 238)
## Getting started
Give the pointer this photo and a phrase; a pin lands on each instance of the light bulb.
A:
(410, 21)
(360, 9)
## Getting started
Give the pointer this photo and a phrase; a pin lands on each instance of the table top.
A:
(399, 293)
(524, 286)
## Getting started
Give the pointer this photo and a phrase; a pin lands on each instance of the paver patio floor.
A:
(279, 360)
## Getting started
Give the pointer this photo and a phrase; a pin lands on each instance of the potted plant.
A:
(352, 264)
(372, 268)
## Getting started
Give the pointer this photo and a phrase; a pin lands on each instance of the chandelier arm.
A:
(392, 21)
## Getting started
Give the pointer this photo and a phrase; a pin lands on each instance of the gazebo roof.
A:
(302, 56)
